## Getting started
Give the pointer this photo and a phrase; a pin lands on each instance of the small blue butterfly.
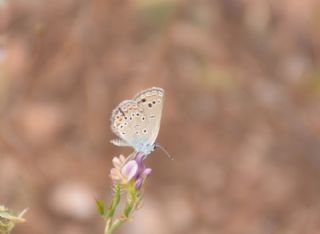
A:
(137, 122)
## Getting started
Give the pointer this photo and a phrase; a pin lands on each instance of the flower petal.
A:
(122, 158)
(116, 162)
(130, 169)
(114, 174)
(140, 158)
(147, 172)
(139, 183)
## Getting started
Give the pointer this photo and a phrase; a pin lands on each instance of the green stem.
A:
(115, 201)
(131, 203)
(109, 229)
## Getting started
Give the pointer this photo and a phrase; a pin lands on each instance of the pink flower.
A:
(132, 168)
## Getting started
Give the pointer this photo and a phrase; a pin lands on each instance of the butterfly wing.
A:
(151, 103)
(119, 142)
(124, 122)
(137, 122)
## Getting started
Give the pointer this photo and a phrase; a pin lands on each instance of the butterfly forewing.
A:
(151, 102)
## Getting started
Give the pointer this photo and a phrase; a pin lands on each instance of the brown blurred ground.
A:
(241, 118)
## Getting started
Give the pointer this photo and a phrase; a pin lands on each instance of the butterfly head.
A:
(148, 148)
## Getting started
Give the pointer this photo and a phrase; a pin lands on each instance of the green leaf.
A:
(100, 207)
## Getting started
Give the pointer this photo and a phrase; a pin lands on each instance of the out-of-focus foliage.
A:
(8, 219)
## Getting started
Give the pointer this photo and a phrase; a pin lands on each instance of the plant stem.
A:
(109, 229)
(131, 203)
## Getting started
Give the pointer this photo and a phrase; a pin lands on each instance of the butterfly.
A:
(137, 121)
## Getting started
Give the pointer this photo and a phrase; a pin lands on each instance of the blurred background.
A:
(241, 117)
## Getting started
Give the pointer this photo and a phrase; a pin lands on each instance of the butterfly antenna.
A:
(164, 150)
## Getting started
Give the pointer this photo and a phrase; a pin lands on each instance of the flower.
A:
(129, 169)
(115, 173)
(142, 172)
(128, 176)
